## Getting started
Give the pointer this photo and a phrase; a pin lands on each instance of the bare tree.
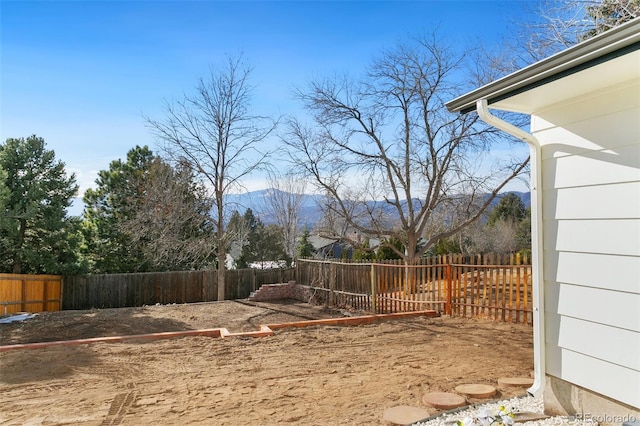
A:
(391, 137)
(214, 132)
(283, 205)
(498, 238)
(171, 219)
(559, 24)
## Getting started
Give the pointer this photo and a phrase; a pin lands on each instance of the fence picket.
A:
(137, 289)
(489, 286)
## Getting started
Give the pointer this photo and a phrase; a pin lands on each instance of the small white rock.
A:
(528, 404)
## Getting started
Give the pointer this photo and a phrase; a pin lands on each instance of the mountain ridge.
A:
(309, 212)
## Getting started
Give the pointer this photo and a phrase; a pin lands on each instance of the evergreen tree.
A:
(5, 221)
(305, 248)
(446, 246)
(253, 228)
(36, 234)
(145, 215)
(361, 253)
(113, 201)
(260, 244)
(510, 209)
(269, 248)
(386, 250)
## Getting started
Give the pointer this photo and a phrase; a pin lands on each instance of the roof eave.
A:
(573, 59)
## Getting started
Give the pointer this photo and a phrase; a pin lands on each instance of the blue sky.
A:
(82, 74)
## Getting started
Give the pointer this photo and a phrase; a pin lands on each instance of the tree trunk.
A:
(222, 251)
(222, 268)
(17, 258)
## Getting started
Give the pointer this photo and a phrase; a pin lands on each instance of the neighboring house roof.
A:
(319, 242)
(510, 92)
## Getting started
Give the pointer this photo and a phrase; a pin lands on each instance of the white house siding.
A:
(591, 213)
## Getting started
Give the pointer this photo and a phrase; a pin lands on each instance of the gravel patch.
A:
(515, 405)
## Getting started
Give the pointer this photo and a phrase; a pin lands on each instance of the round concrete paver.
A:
(478, 391)
(404, 414)
(444, 400)
(515, 382)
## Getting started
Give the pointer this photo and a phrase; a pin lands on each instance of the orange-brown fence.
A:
(489, 286)
(492, 290)
(30, 293)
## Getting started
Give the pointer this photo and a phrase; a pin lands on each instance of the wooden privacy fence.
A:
(489, 286)
(29, 293)
(128, 290)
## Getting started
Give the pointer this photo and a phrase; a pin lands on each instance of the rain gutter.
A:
(536, 240)
(615, 42)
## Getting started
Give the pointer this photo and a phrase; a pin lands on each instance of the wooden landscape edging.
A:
(264, 331)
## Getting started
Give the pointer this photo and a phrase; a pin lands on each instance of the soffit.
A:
(613, 73)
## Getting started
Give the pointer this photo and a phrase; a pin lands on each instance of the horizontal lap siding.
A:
(620, 273)
(593, 202)
(606, 378)
(607, 236)
(591, 219)
(607, 307)
(593, 168)
(577, 335)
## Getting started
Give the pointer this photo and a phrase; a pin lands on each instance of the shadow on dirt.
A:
(71, 325)
(32, 365)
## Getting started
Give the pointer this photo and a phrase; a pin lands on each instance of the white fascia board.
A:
(601, 48)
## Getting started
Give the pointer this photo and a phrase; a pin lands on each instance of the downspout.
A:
(536, 241)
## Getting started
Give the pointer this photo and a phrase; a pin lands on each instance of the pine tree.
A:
(36, 234)
(305, 248)
(114, 200)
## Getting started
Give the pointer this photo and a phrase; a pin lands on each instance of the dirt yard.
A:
(321, 375)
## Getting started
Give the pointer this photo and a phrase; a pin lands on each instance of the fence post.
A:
(374, 304)
(447, 306)
(332, 284)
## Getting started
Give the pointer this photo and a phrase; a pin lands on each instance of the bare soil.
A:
(321, 375)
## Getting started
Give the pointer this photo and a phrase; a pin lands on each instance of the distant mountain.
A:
(309, 210)
(258, 201)
(310, 213)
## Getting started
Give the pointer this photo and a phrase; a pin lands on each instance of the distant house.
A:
(330, 248)
(584, 104)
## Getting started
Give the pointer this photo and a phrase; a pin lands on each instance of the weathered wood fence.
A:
(127, 290)
(488, 286)
(29, 293)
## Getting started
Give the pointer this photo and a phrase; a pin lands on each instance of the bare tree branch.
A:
(559, 24)
(392, 136)
(283, 205)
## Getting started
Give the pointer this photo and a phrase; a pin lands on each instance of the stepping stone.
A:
(515, 382)
(444, 400)
(404, 415)
(477, 391)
